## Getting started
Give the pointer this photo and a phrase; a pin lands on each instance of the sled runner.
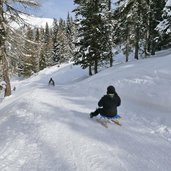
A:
(103, 120)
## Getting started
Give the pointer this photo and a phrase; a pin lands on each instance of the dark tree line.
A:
(130, 27)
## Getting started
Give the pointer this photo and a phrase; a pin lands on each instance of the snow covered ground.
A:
(33, 21)
(44, 128)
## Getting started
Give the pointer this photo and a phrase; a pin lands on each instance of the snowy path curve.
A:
(52, 132)
(46, 128)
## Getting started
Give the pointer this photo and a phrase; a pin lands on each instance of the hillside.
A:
(46, 128)
(33, 21)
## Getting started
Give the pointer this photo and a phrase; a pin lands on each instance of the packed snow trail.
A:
(47, 128)
(58, 135)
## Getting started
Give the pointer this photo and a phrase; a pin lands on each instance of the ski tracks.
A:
(45, 136)
(69, 149)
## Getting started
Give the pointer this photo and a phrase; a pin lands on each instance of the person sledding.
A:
(108, 104)
(51, 82)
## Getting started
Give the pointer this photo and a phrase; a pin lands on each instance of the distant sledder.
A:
(108, 107)
(51, 82)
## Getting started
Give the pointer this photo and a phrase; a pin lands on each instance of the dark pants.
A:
(101, 112)
(97, 111)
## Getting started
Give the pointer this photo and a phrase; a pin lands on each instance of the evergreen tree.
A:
(42, 59)
(63, 51)
(137, 20)
(55, 40)
(131, 13)
(47, 48)
(92, 45)
(62, 40)
(154, 13)
(109, 30)
(122, 35)
(48, 45)
(164, 27)
(69, 37)
(38, 48)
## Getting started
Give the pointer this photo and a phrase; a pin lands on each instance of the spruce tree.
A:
(48, 47)
(70, 37)
(55, 42)
(92, 45)
(38, 48)
(164, 27)
(154, 14)
(138, 20)
(63, 42)
(42, 59)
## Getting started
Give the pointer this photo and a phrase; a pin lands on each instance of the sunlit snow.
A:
(45, 128)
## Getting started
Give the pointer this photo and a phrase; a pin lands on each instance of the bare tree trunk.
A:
(90, 72)
(6, 76)
(147, 33)
(137, 38)
(137, 31)
(127, 43)
(3, 58)
(127, 53)
(110, 36)
(111, 59)
(153, 46)
(147, 38)
(95, 66)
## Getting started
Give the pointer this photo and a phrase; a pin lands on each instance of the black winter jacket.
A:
(109, 103)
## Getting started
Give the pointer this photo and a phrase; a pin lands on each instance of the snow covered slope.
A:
(47, 128)
(33, 21)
